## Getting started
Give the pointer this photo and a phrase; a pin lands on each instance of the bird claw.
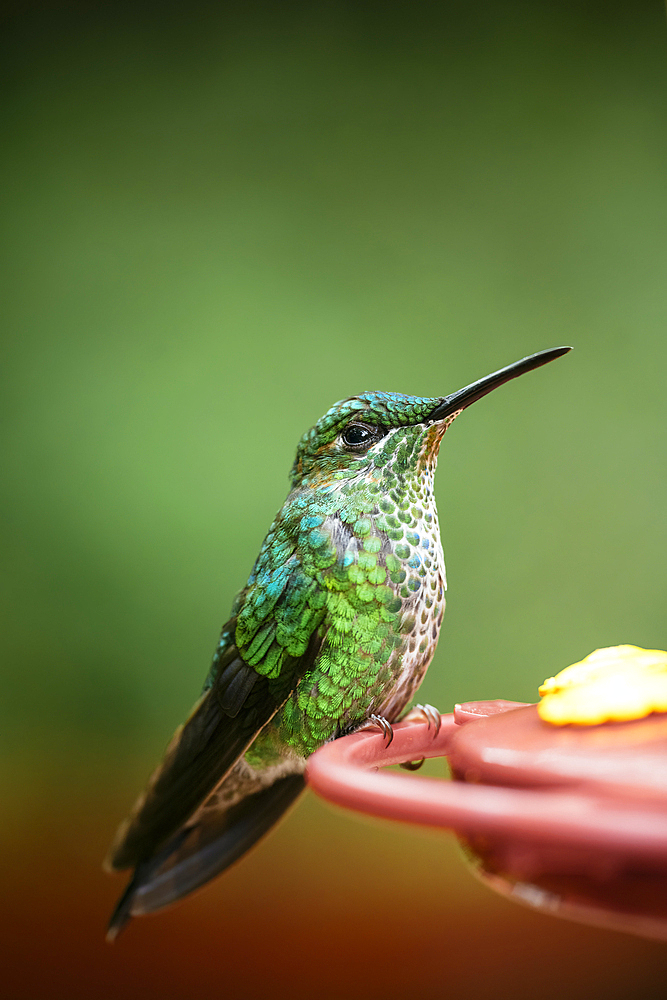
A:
(428, 712)
(378, 722)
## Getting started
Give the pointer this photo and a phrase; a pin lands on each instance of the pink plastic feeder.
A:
(571, 820)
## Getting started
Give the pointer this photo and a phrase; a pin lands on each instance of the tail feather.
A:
(199, 852)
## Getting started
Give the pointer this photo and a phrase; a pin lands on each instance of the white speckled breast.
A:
(422, 592)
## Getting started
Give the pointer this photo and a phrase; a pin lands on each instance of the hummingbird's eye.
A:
(360, 436)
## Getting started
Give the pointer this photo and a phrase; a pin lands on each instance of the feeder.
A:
(568, 819)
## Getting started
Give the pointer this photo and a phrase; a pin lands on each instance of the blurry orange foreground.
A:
(571, 820)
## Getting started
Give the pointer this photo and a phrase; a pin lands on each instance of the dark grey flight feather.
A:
(175, 846)
(198, 853)
(199, 756)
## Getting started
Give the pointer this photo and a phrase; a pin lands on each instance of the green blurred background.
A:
(219, 220)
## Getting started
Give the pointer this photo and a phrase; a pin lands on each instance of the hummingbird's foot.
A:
(428, 712)
(377, 722)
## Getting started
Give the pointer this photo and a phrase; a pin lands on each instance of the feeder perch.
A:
(568, 819)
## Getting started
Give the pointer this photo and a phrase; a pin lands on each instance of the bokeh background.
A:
(218, 220)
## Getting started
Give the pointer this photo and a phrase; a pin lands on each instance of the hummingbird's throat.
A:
(433, 438)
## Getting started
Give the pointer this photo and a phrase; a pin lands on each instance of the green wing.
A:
(265, 649)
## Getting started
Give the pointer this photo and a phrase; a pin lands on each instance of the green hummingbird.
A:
(332, 632)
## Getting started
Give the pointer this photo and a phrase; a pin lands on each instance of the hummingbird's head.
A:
(361, 435)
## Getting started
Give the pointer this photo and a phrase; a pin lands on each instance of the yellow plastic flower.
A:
(613, 684)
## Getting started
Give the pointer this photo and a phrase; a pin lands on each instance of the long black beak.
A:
(464, 397)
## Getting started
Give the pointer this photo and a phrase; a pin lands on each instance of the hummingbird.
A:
(332, 633)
